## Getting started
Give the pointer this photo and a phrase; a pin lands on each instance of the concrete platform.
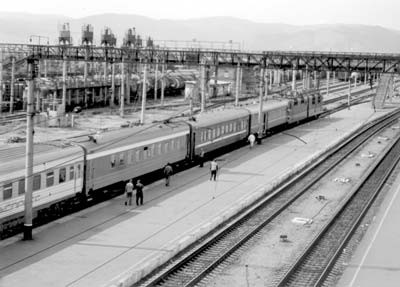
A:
(376, 259)
(112, 245)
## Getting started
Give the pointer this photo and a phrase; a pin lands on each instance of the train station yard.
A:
(79, 123)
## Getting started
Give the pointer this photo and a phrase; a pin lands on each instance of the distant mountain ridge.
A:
(18, 27)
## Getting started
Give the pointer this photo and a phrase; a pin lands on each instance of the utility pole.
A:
(12, 85)
(112, 101)
(29, 154)
(156, 81)
(237, 85)
(203, 87)
(349, 94)
(162, 83)
(260, 112)
(1, 85)
(64, 88)
(142, 114)
(328, 74)
(122, 87)
(294, 78)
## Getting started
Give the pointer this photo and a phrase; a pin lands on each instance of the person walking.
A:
(201, 158)
(139, 192)
(167, 173)
(213, 169)
(129, 191)
(252, 139)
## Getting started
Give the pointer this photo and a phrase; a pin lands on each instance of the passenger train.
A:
(64, 178)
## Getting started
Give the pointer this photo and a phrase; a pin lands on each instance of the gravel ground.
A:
(264, 258)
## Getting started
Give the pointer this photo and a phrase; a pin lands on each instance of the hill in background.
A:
(18, 27)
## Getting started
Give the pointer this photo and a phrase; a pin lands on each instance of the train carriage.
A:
(274, 114)
(216, 129)
(142, 154)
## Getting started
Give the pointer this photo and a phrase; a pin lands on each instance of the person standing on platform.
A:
(129, 191)
(213, 169)
(201, 158)
(167, 173)
(252, 139)
(139, 192)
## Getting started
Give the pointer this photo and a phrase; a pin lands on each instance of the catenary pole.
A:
(29, 156)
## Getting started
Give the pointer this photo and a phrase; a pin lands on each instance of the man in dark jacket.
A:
(167, 173)
(139, 192)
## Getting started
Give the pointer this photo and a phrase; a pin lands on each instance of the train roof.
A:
(270, 104)
(218, 115)
(54, 153)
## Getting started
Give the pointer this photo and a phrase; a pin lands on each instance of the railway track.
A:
(12, 117)
(196, 263)
(313, 266)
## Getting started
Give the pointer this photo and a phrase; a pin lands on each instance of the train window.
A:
(178, 144)
(218, 131)
(213, 133)
(137, 155)
(150, 151)
(36, 182)
(71, 172)
(79, 171)
(209, 134)
(62, 175)
(159, 148)
(230, 127)
(50, 179)
(222, 129)
(172, 145)
(166, 147)
(21, 186)
(112, 160)
(7, 191)
(130, 157)
(121, 158)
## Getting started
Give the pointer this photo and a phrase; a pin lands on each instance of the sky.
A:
(298, 12)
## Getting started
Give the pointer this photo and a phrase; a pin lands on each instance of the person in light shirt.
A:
(213, 169)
